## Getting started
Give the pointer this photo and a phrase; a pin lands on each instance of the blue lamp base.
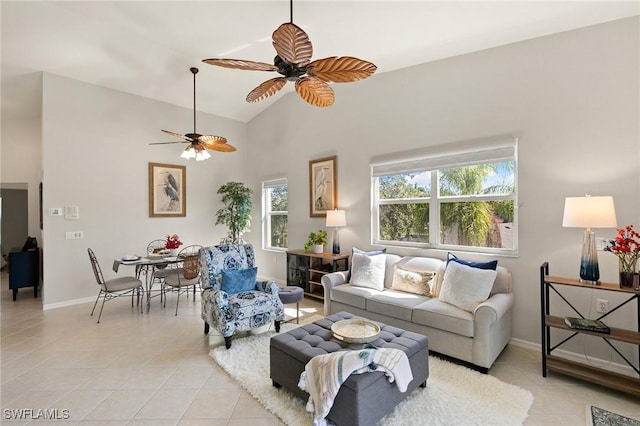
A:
(336, 242)
(589, 271)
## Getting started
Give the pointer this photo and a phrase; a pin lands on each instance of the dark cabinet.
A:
(24, 271)
(306, 269)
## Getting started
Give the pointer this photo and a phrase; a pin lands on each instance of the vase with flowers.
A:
(626, 246)
(172, 243)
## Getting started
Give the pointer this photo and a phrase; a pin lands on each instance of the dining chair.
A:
(160, 270)
(186, 275)
(114, 288)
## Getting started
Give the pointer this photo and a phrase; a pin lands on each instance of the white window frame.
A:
(267, 213)
(445, 157)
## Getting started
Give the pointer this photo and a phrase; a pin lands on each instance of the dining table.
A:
(146, 265)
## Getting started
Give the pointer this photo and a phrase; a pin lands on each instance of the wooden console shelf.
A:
(580, 370)
(306, 270)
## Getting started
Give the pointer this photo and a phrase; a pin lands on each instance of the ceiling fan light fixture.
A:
(198, 144)
(188, 153)
(202, 155)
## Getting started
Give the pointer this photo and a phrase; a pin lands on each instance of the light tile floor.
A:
(154, 369)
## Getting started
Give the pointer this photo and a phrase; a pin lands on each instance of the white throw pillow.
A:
(466, 287)
(368, 271)
(412, 281)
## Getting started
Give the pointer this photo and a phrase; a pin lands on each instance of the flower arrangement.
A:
(626, 246)
(173, 242)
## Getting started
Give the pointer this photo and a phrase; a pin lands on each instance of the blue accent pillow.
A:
(238, 280)
(366, 253)
(492, 265)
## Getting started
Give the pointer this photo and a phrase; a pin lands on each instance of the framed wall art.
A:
(167, 190)
(323, 186)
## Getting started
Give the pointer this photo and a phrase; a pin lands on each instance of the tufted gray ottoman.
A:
(363, 399)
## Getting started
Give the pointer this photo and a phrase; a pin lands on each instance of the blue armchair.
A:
(230, 313)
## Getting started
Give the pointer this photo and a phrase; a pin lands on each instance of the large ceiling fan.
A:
(198, 144)
(292, 61)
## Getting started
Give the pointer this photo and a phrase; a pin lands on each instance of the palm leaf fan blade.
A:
(209, 139)
(315, 92)
(266, 89)
(241, 64)
(220, 147)
(292, 44)
(344, 69)
(178, 135)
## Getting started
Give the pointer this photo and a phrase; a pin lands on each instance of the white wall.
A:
(96, 155)
(572, 99)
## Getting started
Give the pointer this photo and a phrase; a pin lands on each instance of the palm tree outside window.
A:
(275, 215)
(456, 200)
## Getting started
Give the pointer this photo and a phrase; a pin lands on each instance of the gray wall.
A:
(572, 99)
(95, 155)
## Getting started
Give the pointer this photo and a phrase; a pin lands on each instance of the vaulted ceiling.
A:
(147, 47)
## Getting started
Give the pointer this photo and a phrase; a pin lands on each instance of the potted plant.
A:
(317, 241)
(236, 213)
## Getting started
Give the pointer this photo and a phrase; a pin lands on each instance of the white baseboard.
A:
(46, 307)
(578, 357)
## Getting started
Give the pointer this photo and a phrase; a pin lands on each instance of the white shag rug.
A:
(455, 395)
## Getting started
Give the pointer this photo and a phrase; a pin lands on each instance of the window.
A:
(452, 200)
(274, 214)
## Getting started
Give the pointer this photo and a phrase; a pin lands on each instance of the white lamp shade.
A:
(336, 219)
(589, 212)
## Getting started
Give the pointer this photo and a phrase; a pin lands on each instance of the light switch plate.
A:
(55, 211)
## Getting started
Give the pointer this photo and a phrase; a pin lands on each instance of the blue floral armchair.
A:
(243, 311)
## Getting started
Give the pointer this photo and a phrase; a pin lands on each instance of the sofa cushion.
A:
(395, 304)
(355, 250)
(465, 286)
(352, 295)
(368, 271)
(411, 281)
(443, 316)
(502, 284)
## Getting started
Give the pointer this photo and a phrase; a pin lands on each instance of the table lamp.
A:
(336, 219)
(589, 212)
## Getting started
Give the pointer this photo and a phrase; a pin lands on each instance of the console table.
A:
(306, 269)
(584, 371)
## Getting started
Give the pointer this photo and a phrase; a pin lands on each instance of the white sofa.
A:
(476, 337)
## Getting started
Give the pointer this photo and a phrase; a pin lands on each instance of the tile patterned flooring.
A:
(154, 369)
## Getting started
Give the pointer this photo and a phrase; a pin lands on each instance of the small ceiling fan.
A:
(292, 61)
(198, 144)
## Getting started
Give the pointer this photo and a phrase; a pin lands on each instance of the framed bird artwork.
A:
(323, 186)
(167, 190)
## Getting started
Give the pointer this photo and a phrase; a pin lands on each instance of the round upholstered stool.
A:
(292, 294)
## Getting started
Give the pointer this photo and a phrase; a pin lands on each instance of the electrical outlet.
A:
(602, 306)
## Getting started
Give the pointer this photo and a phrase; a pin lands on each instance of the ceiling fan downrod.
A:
(194, 70)
(291, 11)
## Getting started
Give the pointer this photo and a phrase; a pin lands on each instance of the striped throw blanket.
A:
(324, 374)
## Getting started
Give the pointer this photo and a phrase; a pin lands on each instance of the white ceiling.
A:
(147, 47)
